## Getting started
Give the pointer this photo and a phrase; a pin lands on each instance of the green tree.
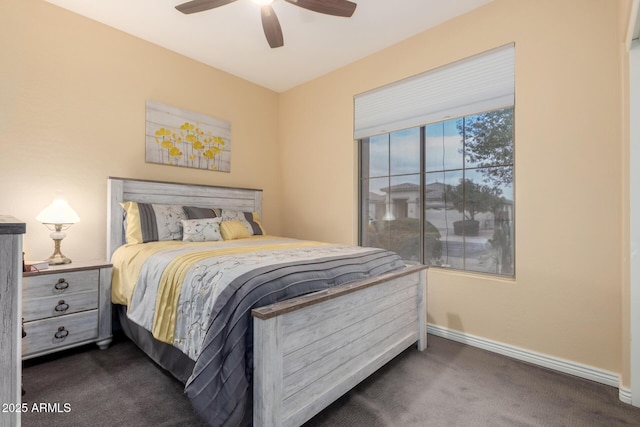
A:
(488, 141)
(474, 198)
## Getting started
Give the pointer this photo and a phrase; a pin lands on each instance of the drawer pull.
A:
(62, 306)
(61, 285)
(61, 333)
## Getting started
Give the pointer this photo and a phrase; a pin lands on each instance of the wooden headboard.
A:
(138, 190)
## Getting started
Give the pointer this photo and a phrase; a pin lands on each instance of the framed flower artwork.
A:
(179, 137)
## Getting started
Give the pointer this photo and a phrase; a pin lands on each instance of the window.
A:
(436, 165)
(442, 194)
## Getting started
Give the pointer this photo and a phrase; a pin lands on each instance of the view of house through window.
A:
(442, 194)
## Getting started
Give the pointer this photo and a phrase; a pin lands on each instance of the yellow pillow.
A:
(251, 220)
(133, 229)
(232, 230)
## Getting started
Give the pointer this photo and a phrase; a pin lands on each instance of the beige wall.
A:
(72, 113)
(566, 299)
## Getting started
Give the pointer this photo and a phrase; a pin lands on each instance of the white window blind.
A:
(480, 83)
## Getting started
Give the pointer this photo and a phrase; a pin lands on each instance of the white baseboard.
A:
(624, 395)
(555, 363)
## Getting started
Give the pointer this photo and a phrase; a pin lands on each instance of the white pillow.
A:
(201, 230)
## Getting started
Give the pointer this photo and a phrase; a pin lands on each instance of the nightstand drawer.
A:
(58, 305)
(50, 334)
(59, 283)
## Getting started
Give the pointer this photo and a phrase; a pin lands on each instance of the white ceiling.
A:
(231, 38)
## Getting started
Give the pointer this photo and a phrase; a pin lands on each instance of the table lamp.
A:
(58, 216)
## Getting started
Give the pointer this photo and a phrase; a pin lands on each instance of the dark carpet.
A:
(450, 384)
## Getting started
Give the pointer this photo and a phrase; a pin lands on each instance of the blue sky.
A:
(443, 152)
(443, 146)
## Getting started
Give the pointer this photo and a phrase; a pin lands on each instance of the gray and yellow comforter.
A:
(198, 297)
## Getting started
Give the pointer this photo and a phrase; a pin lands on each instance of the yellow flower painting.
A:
(184, 138)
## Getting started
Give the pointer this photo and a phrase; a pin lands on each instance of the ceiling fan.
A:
(270, 23)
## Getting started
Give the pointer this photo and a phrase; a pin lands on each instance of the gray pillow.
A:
(194, 212)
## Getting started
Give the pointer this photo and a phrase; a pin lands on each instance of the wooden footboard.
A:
(310, 350)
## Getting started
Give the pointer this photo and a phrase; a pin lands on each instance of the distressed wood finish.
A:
(308, 351)
(59, 306)
(267, 371)
(316, 297)
(57, 333)
(104, 307)
(40, 285)
(11, 231)
(422, 311)
(65, 296)
(324, 344)
(135, 190)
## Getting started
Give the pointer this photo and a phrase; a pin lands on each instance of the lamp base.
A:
(57, 257)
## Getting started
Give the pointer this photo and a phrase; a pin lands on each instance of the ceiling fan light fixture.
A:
(270, 23)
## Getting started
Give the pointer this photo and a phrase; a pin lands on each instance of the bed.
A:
(296, 325)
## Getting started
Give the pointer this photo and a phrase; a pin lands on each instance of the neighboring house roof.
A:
(405, 186)
(408, 186)
(375, 197)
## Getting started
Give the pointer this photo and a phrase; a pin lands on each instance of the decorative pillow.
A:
(251, 220)
(147, 222)
(232, 230)
(194, 212)
(201, 230)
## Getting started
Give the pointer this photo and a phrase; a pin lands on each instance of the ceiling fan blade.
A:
(271, 27)
(329, 7)
(200, 5)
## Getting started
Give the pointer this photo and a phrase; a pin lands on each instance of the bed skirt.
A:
(168, 357)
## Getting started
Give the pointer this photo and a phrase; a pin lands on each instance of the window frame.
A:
(423, 202)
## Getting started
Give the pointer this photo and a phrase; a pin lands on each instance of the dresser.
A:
(11, 231)
(66, 306)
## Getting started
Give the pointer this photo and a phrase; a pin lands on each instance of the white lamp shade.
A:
(58, 212)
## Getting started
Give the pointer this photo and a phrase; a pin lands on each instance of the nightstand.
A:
(66, 306)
